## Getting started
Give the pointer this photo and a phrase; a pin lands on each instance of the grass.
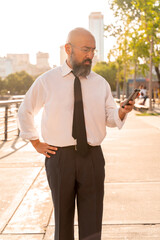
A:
(148, 114)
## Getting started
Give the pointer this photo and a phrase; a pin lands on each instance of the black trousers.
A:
(72, 177)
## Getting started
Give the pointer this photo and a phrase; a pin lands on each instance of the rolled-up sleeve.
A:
(33, 102)
(111, 111)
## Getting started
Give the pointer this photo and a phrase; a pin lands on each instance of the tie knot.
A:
(74, 74)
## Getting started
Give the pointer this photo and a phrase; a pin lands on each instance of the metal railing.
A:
(8, 117)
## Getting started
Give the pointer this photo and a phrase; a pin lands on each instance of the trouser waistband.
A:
(75, 147)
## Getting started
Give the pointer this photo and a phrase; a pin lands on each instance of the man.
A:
(78, 105)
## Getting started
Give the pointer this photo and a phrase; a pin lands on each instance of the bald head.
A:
(80, 49)
(79, 35)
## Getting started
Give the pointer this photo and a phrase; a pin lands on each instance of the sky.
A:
(30, 26)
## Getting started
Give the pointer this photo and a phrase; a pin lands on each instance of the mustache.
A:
(87, 60)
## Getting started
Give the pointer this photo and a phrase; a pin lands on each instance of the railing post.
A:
(6, 129)
(6, 123)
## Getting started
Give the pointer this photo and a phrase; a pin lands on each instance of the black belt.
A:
(74, 147)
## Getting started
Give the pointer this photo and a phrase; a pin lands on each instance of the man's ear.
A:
(68, 48)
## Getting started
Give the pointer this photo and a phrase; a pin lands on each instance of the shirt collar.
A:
(65, 69)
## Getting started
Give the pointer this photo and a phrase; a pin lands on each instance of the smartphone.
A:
(132, 97)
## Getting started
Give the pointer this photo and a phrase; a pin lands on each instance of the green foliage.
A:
(107, 71)
(16, 83)
(137, 22)
(3, 89)
(2, 84)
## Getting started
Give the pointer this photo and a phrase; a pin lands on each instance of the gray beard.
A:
(79, 69)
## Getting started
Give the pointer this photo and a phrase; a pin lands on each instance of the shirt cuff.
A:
(118, 121)
(29, 136)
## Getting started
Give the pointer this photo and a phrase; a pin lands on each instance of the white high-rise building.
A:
(96, 27)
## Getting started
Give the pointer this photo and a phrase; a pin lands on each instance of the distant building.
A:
(21, 62)
(63, 54)
(5, 67)
(42, 60)
(96, 27)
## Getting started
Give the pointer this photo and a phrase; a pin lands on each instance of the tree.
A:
(26, 81)
(3, 89)
(138, 50)
(116, 53)
(120, 30)
(145, 15)
(150, 22)
(143, 24)
(18, 83)
(108, 71)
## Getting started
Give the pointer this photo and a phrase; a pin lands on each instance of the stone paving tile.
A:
(131, 232)
(119, 232)
(131, 154)
(21, 164)
(21, 155)
(132, 203)
(152, 121)
(21, 237)
(14, 183)
(33, 214)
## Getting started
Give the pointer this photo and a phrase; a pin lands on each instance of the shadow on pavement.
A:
(13, 146)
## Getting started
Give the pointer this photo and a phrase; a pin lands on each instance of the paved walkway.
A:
(132, 186)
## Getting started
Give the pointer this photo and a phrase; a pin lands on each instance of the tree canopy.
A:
(108, 71)
(16, 83)
(136, 27)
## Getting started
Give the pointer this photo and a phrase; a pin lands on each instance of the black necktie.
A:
(79, 129)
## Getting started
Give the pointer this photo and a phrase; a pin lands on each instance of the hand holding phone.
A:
(132, 97)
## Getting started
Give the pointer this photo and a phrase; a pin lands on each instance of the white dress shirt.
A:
(54, 91)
